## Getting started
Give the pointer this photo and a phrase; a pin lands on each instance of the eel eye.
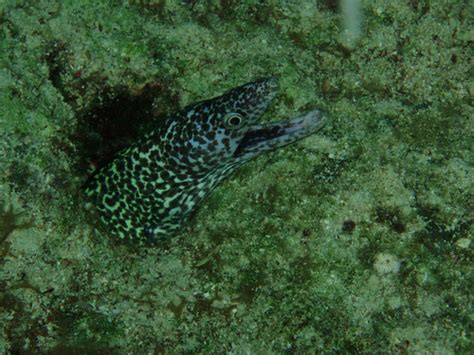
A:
(233, 120)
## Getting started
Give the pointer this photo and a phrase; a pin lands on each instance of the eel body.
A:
(152, 187)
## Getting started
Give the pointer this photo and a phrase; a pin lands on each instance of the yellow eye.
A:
(233, 120)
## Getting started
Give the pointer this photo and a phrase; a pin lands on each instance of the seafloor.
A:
(355, 240)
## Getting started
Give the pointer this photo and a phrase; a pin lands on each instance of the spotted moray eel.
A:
(152, 187)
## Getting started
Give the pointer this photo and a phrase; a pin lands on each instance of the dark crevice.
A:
(114, 122)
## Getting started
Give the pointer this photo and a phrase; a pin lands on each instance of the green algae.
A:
(268, 264)
(10, 220)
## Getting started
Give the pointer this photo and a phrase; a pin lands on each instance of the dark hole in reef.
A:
(348, 226)
(116, 120)
(116, 116)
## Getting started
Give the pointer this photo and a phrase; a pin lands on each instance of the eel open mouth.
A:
(270, 136)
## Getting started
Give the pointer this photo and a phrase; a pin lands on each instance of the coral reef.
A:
(358, 240)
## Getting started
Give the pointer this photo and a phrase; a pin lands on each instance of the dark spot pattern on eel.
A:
(151, 188)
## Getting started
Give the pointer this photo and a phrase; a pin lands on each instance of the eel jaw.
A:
(260, 138)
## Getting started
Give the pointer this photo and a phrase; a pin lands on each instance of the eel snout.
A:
(270, 136)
